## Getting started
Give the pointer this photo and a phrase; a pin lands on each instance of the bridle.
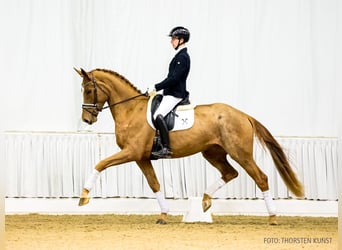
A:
(95, 107)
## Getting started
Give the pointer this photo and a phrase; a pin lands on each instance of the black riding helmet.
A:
(180, 32)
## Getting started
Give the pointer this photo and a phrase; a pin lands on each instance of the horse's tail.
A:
(279, 158)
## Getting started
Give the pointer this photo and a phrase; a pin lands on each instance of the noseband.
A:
(95, 107)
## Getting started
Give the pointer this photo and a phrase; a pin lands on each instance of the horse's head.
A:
(94, 96)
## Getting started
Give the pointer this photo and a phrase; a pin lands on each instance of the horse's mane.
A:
(116, 74)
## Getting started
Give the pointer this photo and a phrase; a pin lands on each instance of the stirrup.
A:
(163, 153)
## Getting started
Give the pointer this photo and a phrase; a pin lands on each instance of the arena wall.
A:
(43, 166)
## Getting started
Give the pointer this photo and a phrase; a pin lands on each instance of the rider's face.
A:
(175, 41)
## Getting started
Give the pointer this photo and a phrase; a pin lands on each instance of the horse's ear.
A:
(82, 73)
(78, 71)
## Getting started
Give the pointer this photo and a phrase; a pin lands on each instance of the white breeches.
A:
(167, 104)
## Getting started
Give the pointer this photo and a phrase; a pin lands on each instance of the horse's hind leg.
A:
(217, 157)
(248, 163)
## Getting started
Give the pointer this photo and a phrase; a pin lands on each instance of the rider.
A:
(174, 86)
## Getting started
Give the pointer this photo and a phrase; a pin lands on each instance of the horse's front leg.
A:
(148, 171)
(116, 159)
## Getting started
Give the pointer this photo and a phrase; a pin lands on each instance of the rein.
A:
(95, 105)
(125, 100)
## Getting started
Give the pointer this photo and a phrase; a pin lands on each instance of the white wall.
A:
(57, 164)
(276, 60)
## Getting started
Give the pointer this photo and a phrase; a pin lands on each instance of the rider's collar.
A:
(179, 49)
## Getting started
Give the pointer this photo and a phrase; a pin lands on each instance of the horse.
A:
(218, 130)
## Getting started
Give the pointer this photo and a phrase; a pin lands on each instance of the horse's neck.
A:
(120, 91)
(118, 86)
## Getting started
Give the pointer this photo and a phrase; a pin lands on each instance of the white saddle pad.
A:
(184, 118)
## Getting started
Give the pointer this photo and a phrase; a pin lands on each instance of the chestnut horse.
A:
(218, 130)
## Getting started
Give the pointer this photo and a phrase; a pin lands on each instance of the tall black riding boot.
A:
(165, 152)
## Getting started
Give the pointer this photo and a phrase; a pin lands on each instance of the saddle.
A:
(170, 117)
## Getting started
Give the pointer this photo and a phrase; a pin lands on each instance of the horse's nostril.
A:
(87, 121)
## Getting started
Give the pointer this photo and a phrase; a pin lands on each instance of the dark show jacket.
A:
(175, 82)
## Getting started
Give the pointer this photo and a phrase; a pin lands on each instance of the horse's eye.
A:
(88, 92)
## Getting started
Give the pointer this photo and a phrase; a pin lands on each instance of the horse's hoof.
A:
(206, 202)
(272, 220)
(161, 222)
(83, 201)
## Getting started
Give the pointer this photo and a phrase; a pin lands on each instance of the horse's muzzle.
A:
(88, 118)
